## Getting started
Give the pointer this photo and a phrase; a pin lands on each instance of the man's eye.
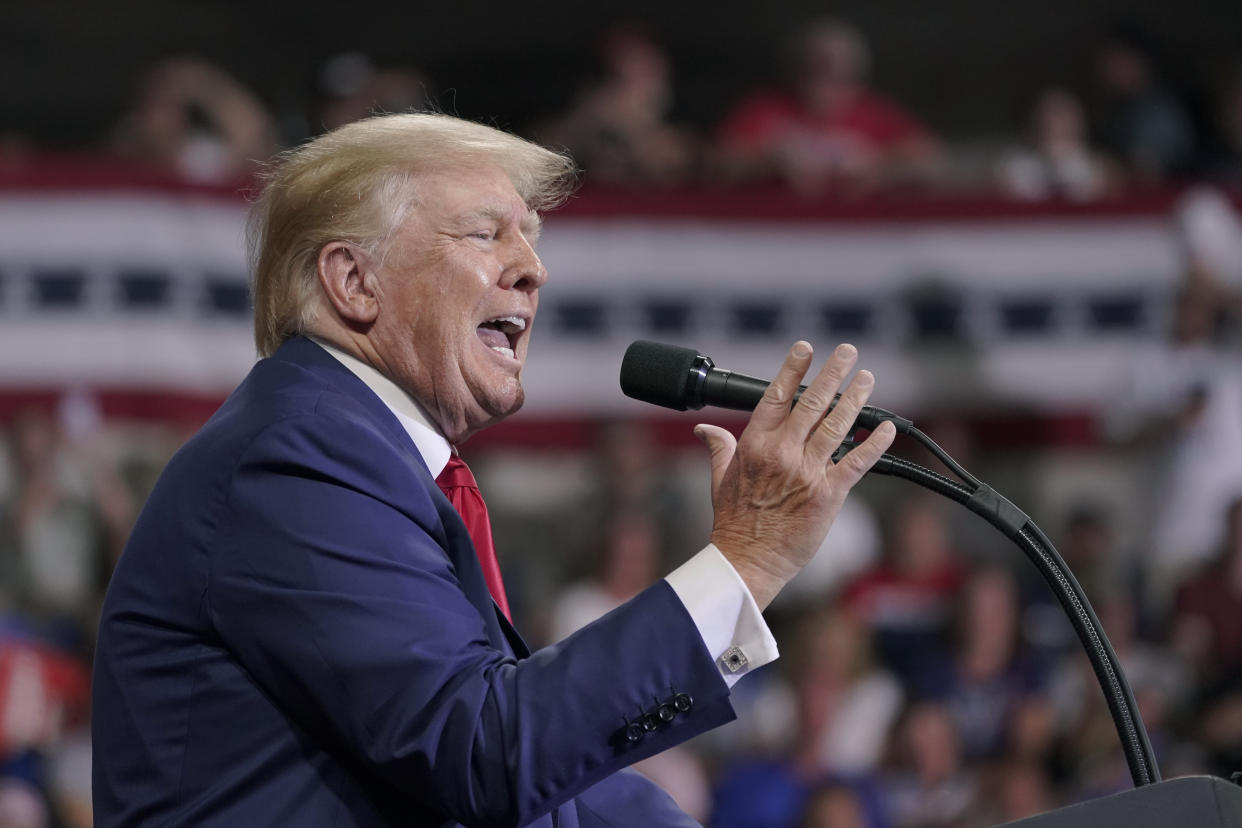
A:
(485, 235)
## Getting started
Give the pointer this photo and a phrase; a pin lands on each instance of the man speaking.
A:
(308, 627)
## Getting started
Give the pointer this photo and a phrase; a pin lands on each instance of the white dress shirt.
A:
(714, 595)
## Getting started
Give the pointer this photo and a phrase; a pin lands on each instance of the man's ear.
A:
(347, 283)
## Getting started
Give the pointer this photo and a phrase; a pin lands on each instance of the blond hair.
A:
(356, 184)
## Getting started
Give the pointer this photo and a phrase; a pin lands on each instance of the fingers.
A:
(722, 444)
(814, 402)
(858, 462)
(773, 409)
(805, 425)
(831, 430)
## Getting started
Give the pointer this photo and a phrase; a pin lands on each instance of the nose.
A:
(523, 271)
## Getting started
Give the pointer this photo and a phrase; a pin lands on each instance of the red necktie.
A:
(459, 486)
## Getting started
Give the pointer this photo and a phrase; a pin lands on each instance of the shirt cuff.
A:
(727, 617)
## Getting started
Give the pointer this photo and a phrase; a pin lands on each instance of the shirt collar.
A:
(431, 444)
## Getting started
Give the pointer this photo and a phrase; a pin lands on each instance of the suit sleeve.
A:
(331, 586)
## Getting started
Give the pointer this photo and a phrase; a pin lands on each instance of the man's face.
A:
(458, 288)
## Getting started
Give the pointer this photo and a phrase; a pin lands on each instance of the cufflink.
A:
(734, 659)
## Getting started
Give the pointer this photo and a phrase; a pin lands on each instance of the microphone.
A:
(682, 379)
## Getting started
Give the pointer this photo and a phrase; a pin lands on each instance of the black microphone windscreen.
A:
(657, 373)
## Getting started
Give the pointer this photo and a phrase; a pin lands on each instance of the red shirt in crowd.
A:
(869, 120)
(886, 598)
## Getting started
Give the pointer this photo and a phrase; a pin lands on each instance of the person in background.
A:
(618, 128)
(44, 696)
(1208, 230)
(1180, 401)
(836, 709)
(21, 806)
(193, 120)
(1208, 636)
(61, 529)
(929, 786)
(906, 600)
(829, 131)
(1015, 790)
(629, 562)
(352, 87)
(1088, 543)
(987, 681)
(1058, 161)
(1140, 120)
(1206, 629)
(846, 703)
(67, 521)
(836, 805)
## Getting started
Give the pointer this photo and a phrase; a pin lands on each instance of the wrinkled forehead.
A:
(462, 192)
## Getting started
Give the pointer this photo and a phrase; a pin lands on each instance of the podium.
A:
(1187, 802)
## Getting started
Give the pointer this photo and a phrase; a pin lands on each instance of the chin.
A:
(491, 405)
(510, 404)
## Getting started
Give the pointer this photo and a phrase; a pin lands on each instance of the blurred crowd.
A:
(821, 127)
(928, 678)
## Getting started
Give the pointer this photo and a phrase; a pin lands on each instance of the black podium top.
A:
(1188, 802)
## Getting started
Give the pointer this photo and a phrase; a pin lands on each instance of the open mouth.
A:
(501, 334)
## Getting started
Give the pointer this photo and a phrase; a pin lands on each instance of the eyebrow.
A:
(531, 223)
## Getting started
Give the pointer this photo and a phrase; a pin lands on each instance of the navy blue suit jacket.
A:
(298, 633)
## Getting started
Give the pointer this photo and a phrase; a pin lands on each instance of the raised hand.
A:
(776, 491)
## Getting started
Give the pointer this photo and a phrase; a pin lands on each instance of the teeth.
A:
(506, 351)
(516, 321)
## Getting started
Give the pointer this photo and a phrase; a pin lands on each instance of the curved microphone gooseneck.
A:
(682, 378)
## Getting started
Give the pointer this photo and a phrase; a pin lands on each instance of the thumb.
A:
(721, 443)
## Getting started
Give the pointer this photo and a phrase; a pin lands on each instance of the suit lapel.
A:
(501, 633)
(457, 544)
(460, 550)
